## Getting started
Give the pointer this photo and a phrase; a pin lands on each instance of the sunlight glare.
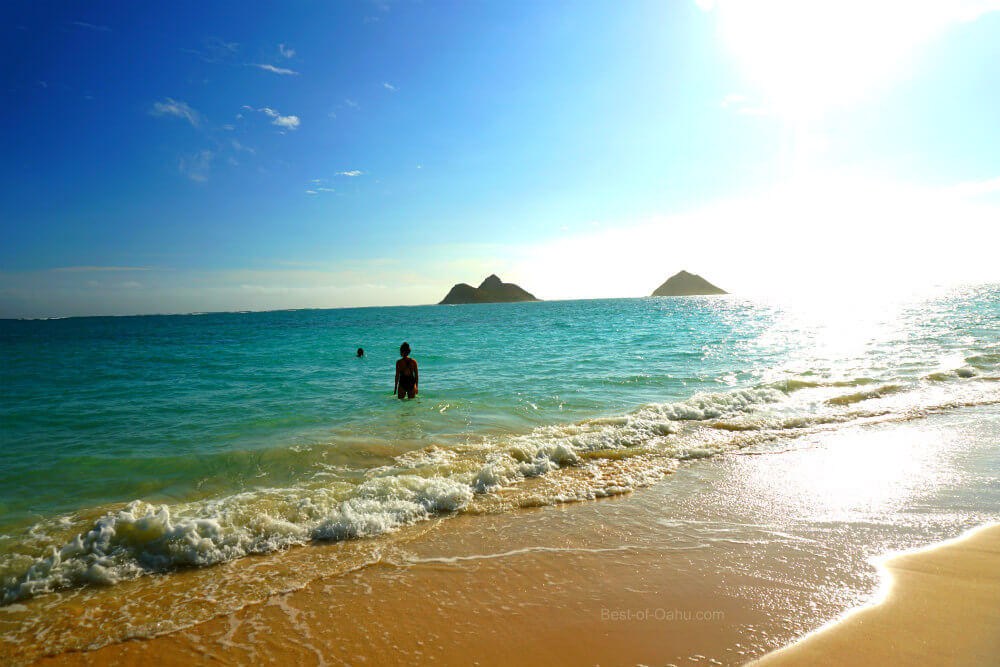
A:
(808, 56)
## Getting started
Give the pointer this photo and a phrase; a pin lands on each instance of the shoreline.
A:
(764, 548)
(937, 605)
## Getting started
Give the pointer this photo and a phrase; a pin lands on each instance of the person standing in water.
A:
(406, 374)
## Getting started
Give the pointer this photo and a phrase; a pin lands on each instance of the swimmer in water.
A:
(406, 374)
(361, 351)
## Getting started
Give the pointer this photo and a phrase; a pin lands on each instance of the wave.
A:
(628, 450)
(857, 397)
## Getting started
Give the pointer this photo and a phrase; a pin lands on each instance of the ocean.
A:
(165, 459)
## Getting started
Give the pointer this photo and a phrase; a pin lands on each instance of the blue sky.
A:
(219, 156)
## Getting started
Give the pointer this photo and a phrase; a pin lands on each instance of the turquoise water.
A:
(135, 445)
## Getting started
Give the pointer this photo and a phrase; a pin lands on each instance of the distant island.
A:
(687, 284)
(492, 290)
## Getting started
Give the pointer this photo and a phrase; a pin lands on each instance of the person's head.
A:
(361, 352)
(404, 350)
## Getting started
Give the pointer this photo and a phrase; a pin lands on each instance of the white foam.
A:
(142, 538)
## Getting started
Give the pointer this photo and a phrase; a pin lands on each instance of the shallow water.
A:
(246, 433)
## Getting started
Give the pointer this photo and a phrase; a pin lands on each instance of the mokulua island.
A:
(492, 290)
(687, 284)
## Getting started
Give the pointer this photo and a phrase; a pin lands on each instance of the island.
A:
(492, 290)
(687, 284)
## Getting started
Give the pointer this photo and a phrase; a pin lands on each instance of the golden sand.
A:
(941, 607)
(499, 603)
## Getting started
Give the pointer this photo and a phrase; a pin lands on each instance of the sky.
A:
(192, 156)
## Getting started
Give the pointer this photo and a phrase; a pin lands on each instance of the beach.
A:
(708, 566)
(938, 608)
(379, 332)
(231, 487)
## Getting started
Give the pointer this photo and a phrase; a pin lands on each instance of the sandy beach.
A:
(720, 563)
(939, 608)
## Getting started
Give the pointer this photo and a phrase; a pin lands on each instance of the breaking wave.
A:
(141, 538)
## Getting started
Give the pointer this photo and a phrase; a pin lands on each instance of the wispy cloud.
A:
(353, 172)
(92, 26)
(196, 166)
(318, 185)
(287, 122)
(80, 269)
(351, 103)
(215, 50)
(276, 70)
(286, 50)
(241, 147)
(172, 107)
(388, 86)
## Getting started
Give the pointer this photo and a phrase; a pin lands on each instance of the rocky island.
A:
(687, 284)
(492, 290)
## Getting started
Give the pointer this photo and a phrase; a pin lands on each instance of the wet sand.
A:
(720, 563)
(941, 607)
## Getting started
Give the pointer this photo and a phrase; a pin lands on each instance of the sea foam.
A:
(141, 538)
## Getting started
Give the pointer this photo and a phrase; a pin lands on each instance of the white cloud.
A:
(351, 103)
(276, 70)
(240, 147)
(311, 192)
(861, 236)
(196, 167)
(286, 50)
(172, 107)
(287, 122)
(389, 86)
(91, 26)
(353, 172)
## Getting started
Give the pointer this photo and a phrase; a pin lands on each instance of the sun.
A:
(806, 57)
